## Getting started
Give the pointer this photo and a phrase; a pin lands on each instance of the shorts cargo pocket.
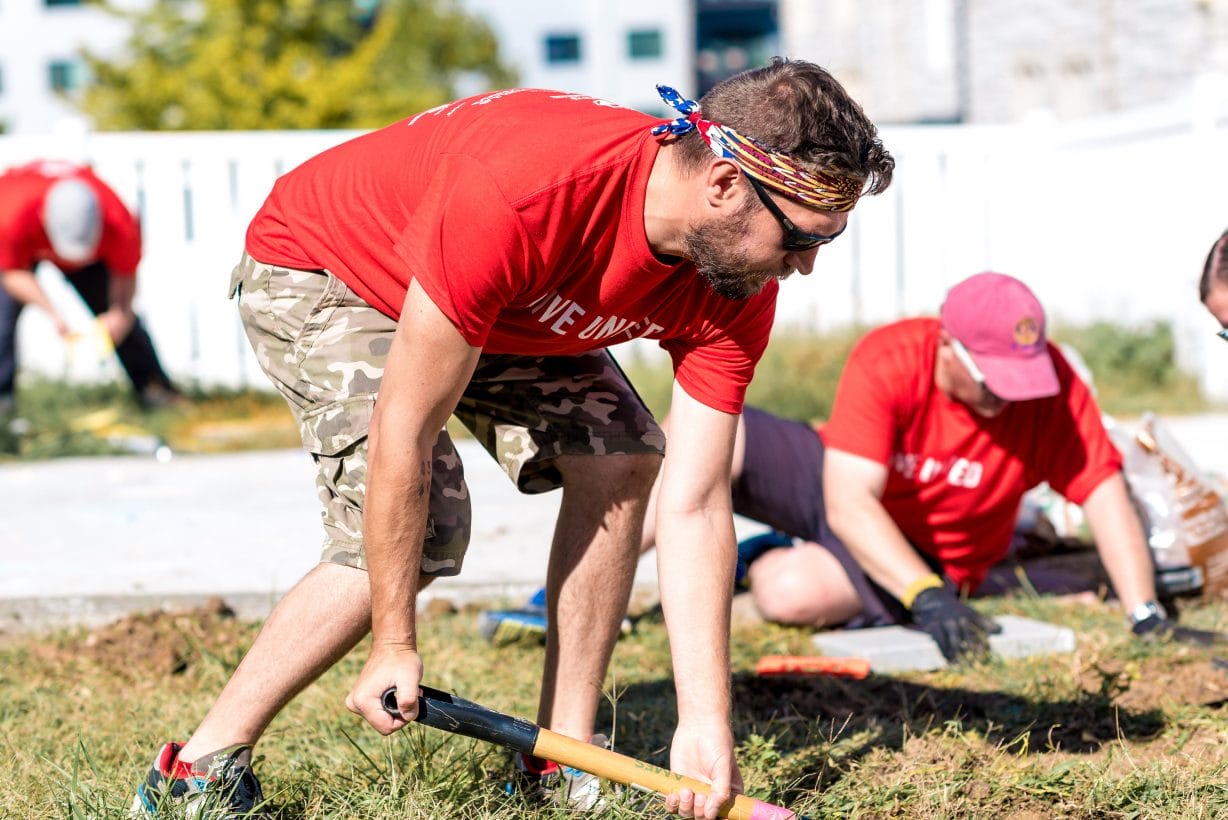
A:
(332, 428)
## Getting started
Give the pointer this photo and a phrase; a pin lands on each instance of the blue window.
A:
(562, 48)
(644, 44)
(65, 75)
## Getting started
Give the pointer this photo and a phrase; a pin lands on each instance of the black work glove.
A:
(1162, 628)
(957, 628)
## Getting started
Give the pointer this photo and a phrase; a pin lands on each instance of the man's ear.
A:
(721, 184)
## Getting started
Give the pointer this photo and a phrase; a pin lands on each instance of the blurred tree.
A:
(286, 64)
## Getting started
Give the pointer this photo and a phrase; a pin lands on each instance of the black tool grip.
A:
(450, 713)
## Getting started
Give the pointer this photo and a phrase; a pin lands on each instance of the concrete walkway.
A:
(86, 540)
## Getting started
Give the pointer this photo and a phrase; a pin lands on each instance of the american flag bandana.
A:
(823, 191)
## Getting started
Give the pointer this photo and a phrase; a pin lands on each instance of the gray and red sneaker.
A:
(547, 782)
(218, 786)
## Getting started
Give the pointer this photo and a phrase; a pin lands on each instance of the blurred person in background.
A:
(60, 212)
(1213, 286)
(895, 509)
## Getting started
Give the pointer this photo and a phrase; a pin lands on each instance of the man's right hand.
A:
(396, 667)
(957, 628)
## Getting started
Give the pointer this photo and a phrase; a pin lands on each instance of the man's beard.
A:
(712, 247)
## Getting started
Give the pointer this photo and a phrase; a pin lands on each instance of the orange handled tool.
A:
(780, 665)
(459, 716)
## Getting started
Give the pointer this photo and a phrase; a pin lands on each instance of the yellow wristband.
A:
(917, 587)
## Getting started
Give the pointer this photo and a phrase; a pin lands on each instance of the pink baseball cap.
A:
(1002, 325)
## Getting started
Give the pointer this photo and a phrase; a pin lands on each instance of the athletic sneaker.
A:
(750, 549)
(218, 786)
(527, 624)
(548, 782)
(507, 626)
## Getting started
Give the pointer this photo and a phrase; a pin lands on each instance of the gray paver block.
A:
(904, 649)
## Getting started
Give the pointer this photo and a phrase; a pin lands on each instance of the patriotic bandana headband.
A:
(777, 171)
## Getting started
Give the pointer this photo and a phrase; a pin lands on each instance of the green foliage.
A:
(1134, 368)
(798, 374)
(288, 64)
(59, 420)
(796, 378)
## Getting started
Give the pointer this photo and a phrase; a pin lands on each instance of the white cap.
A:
(72, 218)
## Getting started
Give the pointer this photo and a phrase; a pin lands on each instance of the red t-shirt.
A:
(521, 213)
(23, 240)
(955, 479)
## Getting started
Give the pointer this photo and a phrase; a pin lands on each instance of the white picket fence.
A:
(1105, 220)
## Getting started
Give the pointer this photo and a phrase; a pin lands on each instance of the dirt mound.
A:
(160, 643)
(1159, 683)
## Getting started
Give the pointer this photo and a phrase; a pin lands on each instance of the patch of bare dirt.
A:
(159, 643)
(1159, 683)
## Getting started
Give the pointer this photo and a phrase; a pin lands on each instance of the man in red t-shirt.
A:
(62, 213)
(476, 259)
(910, 492)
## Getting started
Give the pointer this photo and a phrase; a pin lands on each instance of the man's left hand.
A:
(706, 754)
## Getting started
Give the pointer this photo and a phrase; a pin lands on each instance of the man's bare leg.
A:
(804, 585)
(318, 621)
(588, 582)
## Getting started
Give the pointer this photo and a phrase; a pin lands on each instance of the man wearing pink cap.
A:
(909, 494)
(60, 212)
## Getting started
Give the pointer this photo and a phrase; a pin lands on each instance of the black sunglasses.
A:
(795, 239)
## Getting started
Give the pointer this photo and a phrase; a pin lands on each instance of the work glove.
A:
(1164, 628)
(957, 628)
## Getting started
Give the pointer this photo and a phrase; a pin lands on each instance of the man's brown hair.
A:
(1216, 267)
(796, 108)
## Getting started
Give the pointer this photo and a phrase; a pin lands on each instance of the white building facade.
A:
(615, 49)
(1000, 61)
(40, 66)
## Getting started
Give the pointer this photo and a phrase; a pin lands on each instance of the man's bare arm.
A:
(23, 286)
(696, 553)
(852, 488)
(428, 368)
(119, 317)
(1119, 538)
(852, 492)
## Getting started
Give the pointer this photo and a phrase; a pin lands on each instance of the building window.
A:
(644, 44)
(65, 75)
(61, 2)
(562, 48)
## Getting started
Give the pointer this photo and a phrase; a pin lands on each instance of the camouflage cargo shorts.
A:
(324, 349)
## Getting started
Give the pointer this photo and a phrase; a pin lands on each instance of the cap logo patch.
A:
(1026, 332)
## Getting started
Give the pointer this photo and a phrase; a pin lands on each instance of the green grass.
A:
(1120, 729)
(103, 419)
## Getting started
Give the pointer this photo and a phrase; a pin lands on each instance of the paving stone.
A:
(905, 649)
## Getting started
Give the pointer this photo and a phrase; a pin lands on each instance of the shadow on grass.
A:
(883, 712)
